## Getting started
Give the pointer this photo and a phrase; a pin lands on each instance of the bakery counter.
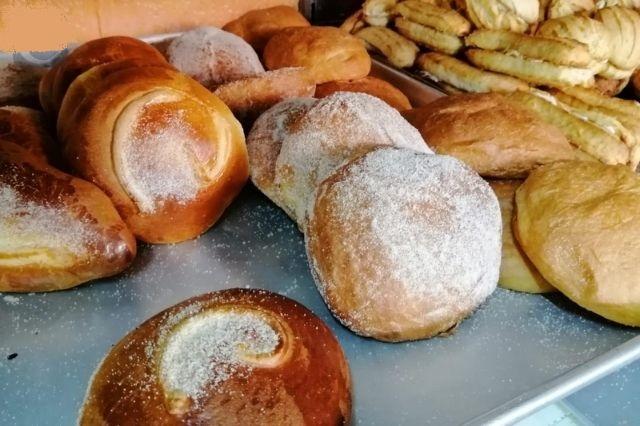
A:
(516, 353)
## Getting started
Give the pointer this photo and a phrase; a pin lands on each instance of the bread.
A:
(552, 9)
(623, 26)
(378, 12)
(399, 51)
(462, 76)
(635, 82)
(26, 127)
(369, 85)
(19, 83)
(238, 356)
(328, 53)
(609, 86)
(492, 135)
(441, 19)
(213, 57)
(251, 96)
(170, 154)
(354, 22)
(258, 26)
(501, 14)
(516, 270)
(429, 37)
(54, 85)
(77, 21)
(579, 223)
(56, 231)
(404, 245)
(319, 138)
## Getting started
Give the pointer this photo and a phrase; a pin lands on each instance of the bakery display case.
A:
(525, 359)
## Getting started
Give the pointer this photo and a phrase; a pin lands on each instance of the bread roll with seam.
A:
(404, 245)
(493, 136)
(328, 53)
(168, 152)
(258, 26)
(56, 231)
(323, 136)
(233, 357)
(373, 86)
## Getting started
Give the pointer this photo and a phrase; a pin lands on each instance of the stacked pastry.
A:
(358, 178)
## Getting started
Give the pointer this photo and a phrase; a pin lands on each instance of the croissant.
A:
(168, 152)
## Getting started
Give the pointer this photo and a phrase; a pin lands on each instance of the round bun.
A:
(237, 356)
(251, 96)
(494, 136)
(404, 245)
(212, 56)
(321, 138)
(100, 51)
(369, 85)
(328, 53)
(258, 26)
(516, 270)
(579, 223)
(26, 127)
(56, 231)
(168, 152)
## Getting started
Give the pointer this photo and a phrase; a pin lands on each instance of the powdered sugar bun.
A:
(231, 357)
(336, 129)
(213, 56)
(404, 245)
(264, 143)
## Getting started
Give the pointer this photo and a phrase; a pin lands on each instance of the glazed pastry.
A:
(168, 152)
(404, 245)
(233, 357)
(56, 231)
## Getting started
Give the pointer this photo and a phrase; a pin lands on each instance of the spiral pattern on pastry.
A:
(168, 152)
(231, 357)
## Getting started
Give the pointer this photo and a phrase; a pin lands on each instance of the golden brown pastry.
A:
(212, 56)
(404, 245)
(251, 96)
(492, 135)
(26, 127)
(378, 12)
(579, 223)
(354, 23)
(101, 51)
(516, 270)
(552, 9)
(168, 152)
(320, 139)
(442, 19)
(258, 26)
(399, 51)
(56, 231)
(501, 14)
(233, 357)
(328, 53)
(370, 85)
(623, 25)
(429, 37)
(460, 75)
(610, 86)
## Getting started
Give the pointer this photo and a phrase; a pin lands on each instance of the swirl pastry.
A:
(55, 83)
(623, 26)
(234, 357)
(56, 231)
(168, 152)
(404, 245)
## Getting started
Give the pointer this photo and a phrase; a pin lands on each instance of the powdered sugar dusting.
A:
(26, 225)
(213, 56)
(207, 349)
(336, 129)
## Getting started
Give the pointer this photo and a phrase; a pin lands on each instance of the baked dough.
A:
(370, 85)
(579, 223)
(404, 245)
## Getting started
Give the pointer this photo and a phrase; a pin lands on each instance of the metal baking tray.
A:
(517, 353)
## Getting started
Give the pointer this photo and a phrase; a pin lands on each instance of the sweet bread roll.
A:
(258, 26)
(327, 134)
(168, 152)
(251, 96)
(265, 141)
(19, 83)
(213, 56)
(492, 135)
(378, 12)
(56, 231)
(233, 357)
(26, 127)
(369, 85)
(579, 223)
(516, 270)
(404, 245)
(101, 51)
(502, 14)
(328, 53)
(399, 51)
